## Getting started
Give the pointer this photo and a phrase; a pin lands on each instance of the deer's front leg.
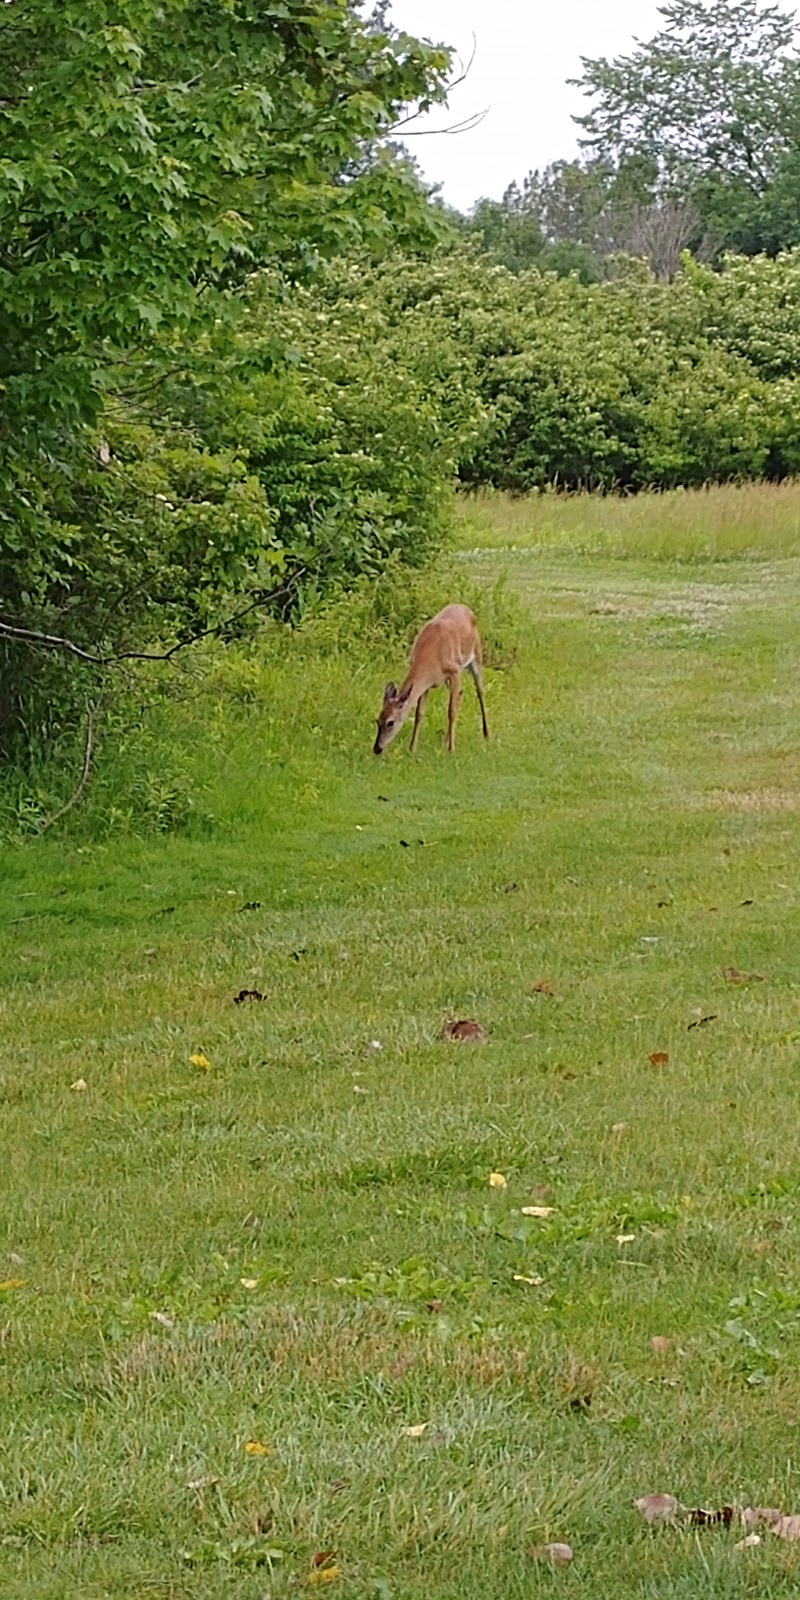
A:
(417, 720)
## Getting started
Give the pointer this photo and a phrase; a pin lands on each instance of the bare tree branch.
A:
(92, 714)
(53, 641)
(474, 121)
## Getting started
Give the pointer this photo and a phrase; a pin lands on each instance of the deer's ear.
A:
(389, 692)
(403, 697)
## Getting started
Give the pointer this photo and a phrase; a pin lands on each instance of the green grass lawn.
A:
(297, 1247)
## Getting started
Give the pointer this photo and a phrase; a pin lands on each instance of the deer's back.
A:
(447, 643)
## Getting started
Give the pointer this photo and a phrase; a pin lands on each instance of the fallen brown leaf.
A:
(559, 1555)
(466, 1031)
(760, 1516)
(660, 1344)
(162, 1318)
(657, 1507)
(323, 1558)
(700, 1517)
(733, 975)
(544, 986)
(618, 1128)
(659, 1058)
(401, 1367)
(787, 1527)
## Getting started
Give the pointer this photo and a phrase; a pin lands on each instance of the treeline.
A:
(690, 142)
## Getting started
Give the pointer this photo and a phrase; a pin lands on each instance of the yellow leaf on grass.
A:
(199, 1060)
(254, 1447)
(538, 1211)
(79, 1086)
(249, 1283)
(519, 1277)
(324, 1575)
(497, 1181)
(416, 1430)
(12, 1283)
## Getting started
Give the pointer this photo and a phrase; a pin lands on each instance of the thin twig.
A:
(54, 641)
(92, 714)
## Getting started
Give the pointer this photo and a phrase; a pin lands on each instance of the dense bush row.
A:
(620, 385)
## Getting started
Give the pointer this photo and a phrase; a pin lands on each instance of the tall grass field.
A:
(297, 1295)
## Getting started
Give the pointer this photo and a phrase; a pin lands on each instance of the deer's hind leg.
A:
(475, 673)
(452, 710)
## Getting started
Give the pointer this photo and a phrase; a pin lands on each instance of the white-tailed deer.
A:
(447, 646)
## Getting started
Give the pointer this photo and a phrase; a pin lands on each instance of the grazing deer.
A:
(447, 646)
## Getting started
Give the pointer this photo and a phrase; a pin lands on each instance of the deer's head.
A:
(392, 716)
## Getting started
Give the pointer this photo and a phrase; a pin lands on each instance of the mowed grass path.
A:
(298, 1249)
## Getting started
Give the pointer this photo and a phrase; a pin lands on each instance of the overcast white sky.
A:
(526, 49)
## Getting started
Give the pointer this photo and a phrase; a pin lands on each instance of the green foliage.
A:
(151, 156)
(352, 412)
(627, 383)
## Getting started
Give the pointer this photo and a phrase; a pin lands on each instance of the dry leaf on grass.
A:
(749, 1543)
(538, 1211)
(625, 1238)
(657, 1507)
(534, 1282)
(416, 1430)
(323, 1558)
(787, 1527)
(760, 1516)
(467, 1031)
(559, 1555)
(702, 1022)
(162, 1319)
(324, 1575)
(254, 1447)
(401, 1367)
(203, 1483)
(249, 1283)
(659, 1058)
(660, 1344)
(11, 1283)
(497, 1181)
(619, 1128)
(733, 975)
(79, 1086)
(702, 1517)
(544, 986)
(201, 1061)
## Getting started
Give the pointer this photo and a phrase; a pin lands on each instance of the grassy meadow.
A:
(282, 1300)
